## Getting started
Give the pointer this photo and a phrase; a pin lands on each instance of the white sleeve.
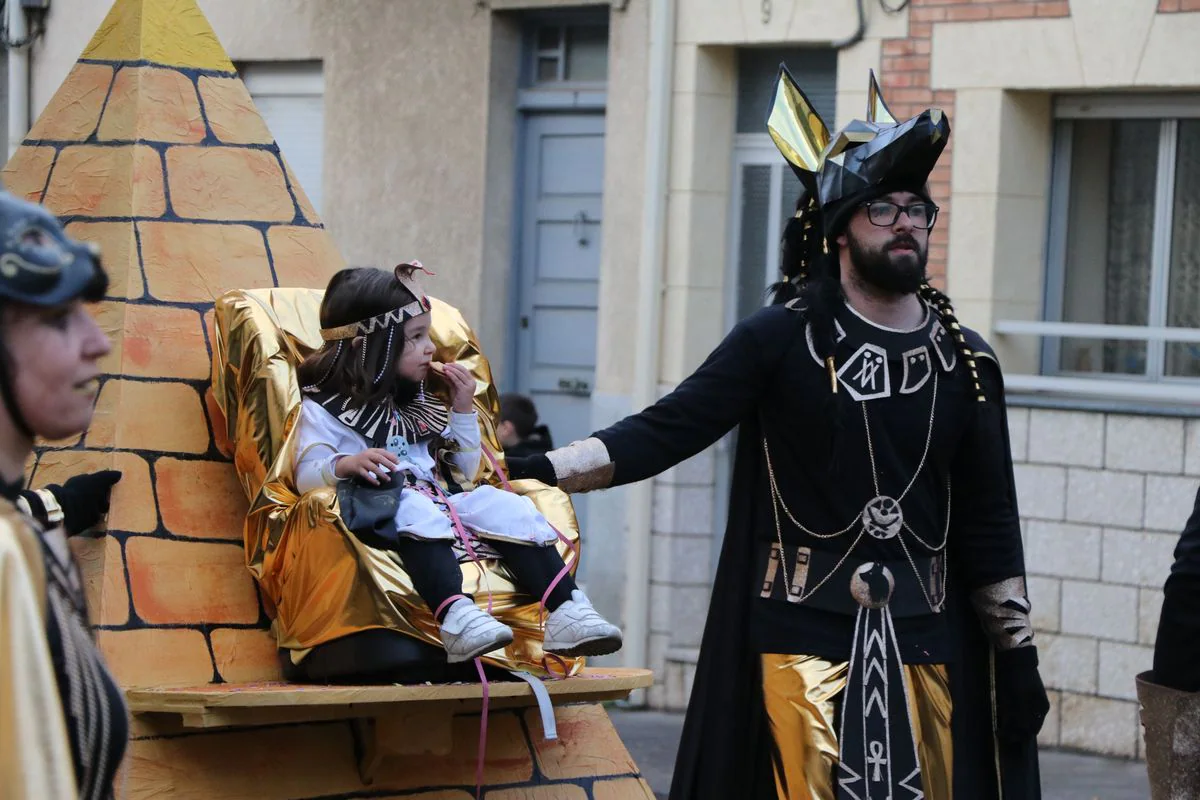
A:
(464, 431)
(319, 444)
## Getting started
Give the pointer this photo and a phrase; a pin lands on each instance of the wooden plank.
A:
(225, 705)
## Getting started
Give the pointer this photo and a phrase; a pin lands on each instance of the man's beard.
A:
(887, 271)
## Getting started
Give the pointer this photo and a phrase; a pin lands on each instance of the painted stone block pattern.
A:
(152, 104)
(74, 112)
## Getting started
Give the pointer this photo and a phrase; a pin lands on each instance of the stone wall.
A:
(1103, 500)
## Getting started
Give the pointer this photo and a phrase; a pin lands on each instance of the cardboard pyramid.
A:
(153, 149)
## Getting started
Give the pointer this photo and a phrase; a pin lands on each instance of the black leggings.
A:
(437, 576)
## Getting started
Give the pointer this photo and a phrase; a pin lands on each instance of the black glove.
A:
(84, 499)
(1021, 701)
(536, 467)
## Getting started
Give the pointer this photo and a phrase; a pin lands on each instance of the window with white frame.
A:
(764, 187)
(1123, 272)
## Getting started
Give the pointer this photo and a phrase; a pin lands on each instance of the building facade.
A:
(593, 185)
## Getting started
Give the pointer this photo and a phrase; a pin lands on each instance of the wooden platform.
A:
(227, 705)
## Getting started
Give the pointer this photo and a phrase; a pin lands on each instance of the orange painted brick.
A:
(103, 570)
(1059, 8)
(163, 342)
(110, 317)
(560, 791)
(189, 582)
(245, 655)
(152, 104)
(133, 415)
(118, 254)
(93, 181)
(508, 759)
(925, 14)
(26, 172)
(189, 261)
(303, 256)
(200, 498)
(445, 794)
(221, 183)
(273, 763)
(132, 507)
(306, 207)
(1013, 10)
(1168, 6)
(622, 789)
(231, 113)
(157, 657)
(967, 12)
(1189, 5)
(587, 744)
(74, 111)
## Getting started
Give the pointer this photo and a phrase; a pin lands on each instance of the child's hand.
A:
(372, 465)
(462, 387)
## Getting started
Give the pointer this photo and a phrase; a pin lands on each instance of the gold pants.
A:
(801, 693)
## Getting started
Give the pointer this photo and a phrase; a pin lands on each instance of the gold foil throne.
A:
(318, 582)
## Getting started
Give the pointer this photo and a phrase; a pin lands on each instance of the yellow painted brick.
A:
(622, 789)
(304, 257)
(164, 342)
(118, 254)
(152, 104)
(508, 759)
(557, 792)
(103, 570)
(93, 181)
(132, 415)
(273, 763)
(228, 183)
(189, 582)
(189, 262)
(74, 111)
(587, 744)
(110, 316)
(306, 207)
(231, 112)
(244, 656)
(157, 657)
(26, 172)
(132, 507)
(200, 498)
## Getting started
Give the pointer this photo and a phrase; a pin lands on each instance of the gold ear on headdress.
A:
(795, 126)
(877, 110)
(406, 273)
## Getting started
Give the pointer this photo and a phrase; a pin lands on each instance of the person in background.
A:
(519, 431)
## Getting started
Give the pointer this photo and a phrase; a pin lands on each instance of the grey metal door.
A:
(559, 266)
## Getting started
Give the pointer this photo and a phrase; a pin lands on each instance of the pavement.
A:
(652, 738)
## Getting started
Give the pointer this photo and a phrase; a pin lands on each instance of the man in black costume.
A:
(863, 641)
(1170, 693)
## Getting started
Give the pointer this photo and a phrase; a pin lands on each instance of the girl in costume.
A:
(366, 417)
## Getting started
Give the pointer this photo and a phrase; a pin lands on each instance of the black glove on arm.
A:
(85, 499)
(535, 467)
(1021, 701)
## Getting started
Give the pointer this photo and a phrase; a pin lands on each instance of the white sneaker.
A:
(468, 632)
(577, 629)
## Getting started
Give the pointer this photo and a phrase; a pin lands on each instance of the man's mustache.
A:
(904, 241)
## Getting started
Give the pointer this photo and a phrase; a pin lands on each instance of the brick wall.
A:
(1103, 499)
(904, 77)
(1172, 6)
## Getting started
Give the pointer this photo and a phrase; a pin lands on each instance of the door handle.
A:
(580, 228)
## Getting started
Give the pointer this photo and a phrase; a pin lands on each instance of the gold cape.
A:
(35, 755)
(318, 582)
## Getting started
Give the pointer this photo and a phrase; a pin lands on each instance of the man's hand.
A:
(373, 466)
(84, 499)
(462, 387)
(1021, 702)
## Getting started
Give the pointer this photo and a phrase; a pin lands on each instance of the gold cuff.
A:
(582, 466)
(1004, 610)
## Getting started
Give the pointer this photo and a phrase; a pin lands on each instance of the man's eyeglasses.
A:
(884, 213)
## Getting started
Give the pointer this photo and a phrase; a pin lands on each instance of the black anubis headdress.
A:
(875, 152)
